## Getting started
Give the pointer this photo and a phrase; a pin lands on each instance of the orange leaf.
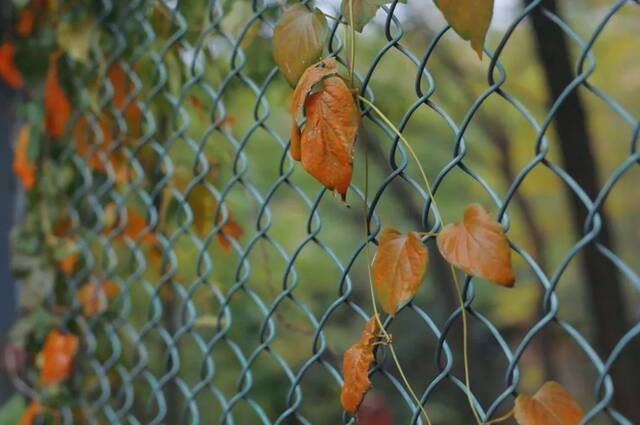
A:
(551, 405)
(135, 226)
(312, 76)
(8, 70)
(398, 268)
(230, 229)
(95, 298)
(30, 413)
(355, 368)
(56, 104)
(122, 86)
(68, 264)
(57, 357)
(478, 246)
(26, 22)
(25, 170)
(329, 135)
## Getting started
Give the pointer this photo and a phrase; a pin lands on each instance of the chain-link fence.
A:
(231, 283)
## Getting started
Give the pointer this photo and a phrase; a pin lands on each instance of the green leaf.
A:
(298, 41)
(469, 18)
(12, 410)
(77, 37)
(363, 11)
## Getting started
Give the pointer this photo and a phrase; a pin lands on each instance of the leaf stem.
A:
(352, 44)
(502, 418)
(436, 212)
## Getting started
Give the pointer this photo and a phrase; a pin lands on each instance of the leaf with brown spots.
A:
(312, 76)
(57, 357)
(551, 405)
(25, 170)
(8, 71)
(355, 368)
(56, 104)
(478, 246)
(398, 268)
(469, 18)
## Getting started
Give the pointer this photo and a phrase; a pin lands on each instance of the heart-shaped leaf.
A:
(355, 368)
(478, 246)
(469, 18)
(57, 357)
(312, 76)
(398, 268)
(551, 405)
(298, 40)
(363, 11)
(329, 135)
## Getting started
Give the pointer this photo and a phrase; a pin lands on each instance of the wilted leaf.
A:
(363, 11)
(30, 413)
(312, 76)
(398, 268)
(56, 104)
(95, 297)
(478, 246)
(57, 357)
(24, 169)
(329, 135)
(8, 71)
(76, 37)
(298, 40)
(25, 22)
(355, 368)
(469, 18)
(551, 405)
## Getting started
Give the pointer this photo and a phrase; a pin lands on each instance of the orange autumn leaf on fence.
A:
(8, 71)
(551, 405)
(26, 171)
(355, 368)
(30, 413)
(135, 226)
(57, 357)
(478, 246)
(25, 22)
(68, 264)
(95, 298)
(231, 228)
(122, 87)
(398, 268)
(56, 104)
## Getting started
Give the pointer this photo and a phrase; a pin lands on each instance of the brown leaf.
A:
(355, 368)
(8, 71)
(398, 268)
(329, 135)
(551, 405)
(312, 76)
(57, 357)
(57, 106)
(25, 170)
(469, 18)
(298, 40)
(478, 246)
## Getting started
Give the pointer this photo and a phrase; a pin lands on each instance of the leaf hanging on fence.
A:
(469, 18)
(398, 268)
(135, 226)
(76, 37)
(363, 11)
(329, 135)
(551, 405)
(355, 368)
(24, 169)
(312, 76)
(478, 246)
(31, 413)
(122, 87)
(8, 71)
(57, 357)
(56, 104)
(298, 40)
(95, 298)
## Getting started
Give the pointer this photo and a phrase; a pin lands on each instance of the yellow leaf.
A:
(77, 37)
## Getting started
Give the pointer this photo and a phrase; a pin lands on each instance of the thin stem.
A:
(333, 18)
(352, 44)
(436, 212)
(501, 418)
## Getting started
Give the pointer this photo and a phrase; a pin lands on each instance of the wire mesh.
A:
(218, 319)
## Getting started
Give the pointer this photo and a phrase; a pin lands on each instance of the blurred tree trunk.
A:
(600, 276)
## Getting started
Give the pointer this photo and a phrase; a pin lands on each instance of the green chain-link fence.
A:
(232, 282)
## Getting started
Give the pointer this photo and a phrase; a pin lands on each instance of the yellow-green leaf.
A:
(363, 11)
(298, 40)
(469, 18)
(76, 38)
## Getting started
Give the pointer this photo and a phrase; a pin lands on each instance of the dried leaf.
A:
(57, 106)
(31, 413)
(329, 135)
(398, 268)
(298, 40)
(355, 368)
(363, 11)
(25, 170)
(469, 18)
(551, 405)
(478, 246)
(8, 71)
(26, 22)
(57, 357)
(95, 297)
(312, 76)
